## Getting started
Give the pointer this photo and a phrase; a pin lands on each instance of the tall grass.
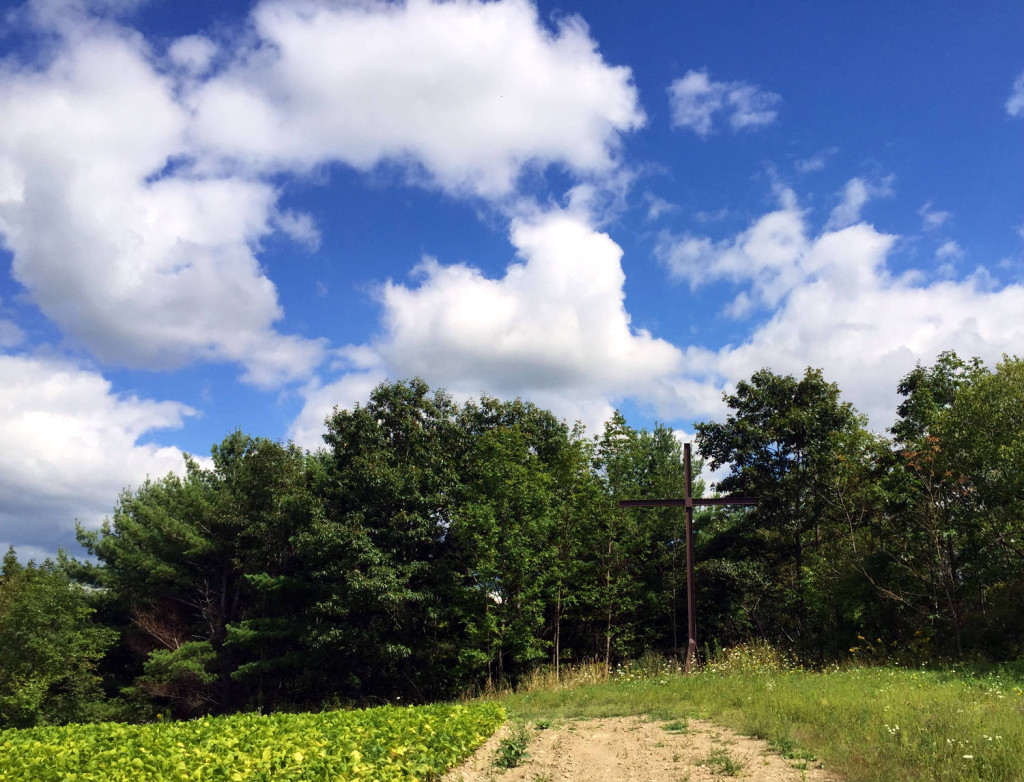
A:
(876, 724)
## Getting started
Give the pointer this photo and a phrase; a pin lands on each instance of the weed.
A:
(721, 762)
(512, 751)
(542, 724)
(677, 727)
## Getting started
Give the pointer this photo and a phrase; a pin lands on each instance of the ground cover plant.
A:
(870, 724)
(388, 744)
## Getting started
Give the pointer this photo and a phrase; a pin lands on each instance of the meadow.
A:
(866, 724)
(886, 723)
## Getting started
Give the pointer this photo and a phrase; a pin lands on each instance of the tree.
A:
(782, 440)
(982, 437)
(189, 561)
(928, 543)
(49, 646)
(377, 559)
(639, 552)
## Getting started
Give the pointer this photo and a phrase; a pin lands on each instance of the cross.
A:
(689, 503)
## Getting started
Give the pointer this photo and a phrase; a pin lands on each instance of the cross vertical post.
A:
(689, 503)
(691, 591)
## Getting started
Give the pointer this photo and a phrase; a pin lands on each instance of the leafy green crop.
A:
(387, 744)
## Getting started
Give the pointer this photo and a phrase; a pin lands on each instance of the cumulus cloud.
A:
(772, 252)
(1015, 103)
(839, 307)
(144, 269)
(696, 100)
(319, 399)
(556, 319)
(466, 94)
(70, 446)
(554, 328)
(134, 206)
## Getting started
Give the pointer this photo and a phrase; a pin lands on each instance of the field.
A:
(386, 744)
(860, 724)
(869, 724)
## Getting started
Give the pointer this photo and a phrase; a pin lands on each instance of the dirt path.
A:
(632, 749)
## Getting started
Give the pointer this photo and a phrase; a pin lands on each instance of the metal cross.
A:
(689, 503)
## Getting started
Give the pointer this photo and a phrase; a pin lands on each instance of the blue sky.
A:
(242, 214)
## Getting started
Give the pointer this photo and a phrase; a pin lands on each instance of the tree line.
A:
(431, 548)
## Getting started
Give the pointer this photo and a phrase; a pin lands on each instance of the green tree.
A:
(639, 553)
(782, 441)
(49, 645)
(982, 436)
(378, 558)
(197, 566)
(929, 540)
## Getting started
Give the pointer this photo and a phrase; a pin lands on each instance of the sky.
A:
(242, 214)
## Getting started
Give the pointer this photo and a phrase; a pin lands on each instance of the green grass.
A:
(676, 726)
(874, 724)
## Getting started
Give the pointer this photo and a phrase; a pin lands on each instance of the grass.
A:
(676, 727)
(870, 724)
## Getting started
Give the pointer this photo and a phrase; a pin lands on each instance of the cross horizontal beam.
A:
(688, 502)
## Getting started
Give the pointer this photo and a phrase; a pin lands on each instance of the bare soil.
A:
(634, 749)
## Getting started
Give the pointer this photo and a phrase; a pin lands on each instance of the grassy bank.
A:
(873, 724)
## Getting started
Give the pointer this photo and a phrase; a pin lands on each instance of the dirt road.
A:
(632, 749)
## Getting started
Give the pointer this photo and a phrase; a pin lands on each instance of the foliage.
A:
(389, 744)
(788, 442)
(49, 647)
(433, 549)
(512, 750)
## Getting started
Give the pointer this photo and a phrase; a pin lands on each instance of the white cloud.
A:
(856, 193)
(932, 218)
(465, 93)
(711, 217)
(773, 251)
(1015, 103)
(554, 329)
(134, 206)
(555, 320)
(320, 399)
(145, 271)
(839, 308)
(696, 100)
(300, 227)
(193, 53)
(70, 445)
